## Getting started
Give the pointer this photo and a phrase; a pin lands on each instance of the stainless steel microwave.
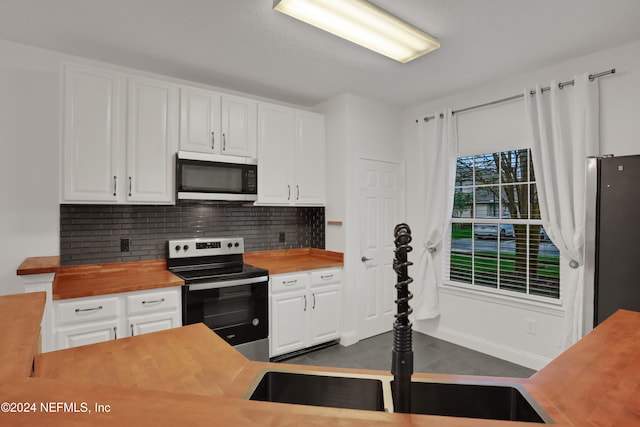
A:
(202, 176)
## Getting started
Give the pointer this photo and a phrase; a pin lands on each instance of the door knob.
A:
(365, 259)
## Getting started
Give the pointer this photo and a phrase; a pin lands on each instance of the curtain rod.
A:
(592, 77)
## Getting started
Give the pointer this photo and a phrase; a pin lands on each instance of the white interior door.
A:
(381, 208)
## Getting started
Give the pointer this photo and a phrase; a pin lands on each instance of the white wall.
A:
(335, 112)
(497, 325)
(356, 128)
(29, 135)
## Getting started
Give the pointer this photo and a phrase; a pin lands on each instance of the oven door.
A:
(236, 310)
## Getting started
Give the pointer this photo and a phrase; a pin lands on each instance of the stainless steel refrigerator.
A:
(617, 235)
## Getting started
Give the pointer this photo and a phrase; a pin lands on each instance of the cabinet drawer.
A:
(77, 311)
(288, 282)
(167, 300)
(326, 277)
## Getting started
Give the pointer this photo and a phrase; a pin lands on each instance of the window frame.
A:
(499, 288)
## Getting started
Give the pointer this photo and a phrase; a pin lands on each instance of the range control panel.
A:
(186, 248)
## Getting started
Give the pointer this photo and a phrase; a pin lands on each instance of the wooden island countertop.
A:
(189, 376)
(20, 316)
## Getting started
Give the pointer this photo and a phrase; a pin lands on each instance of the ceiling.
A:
(246, 46)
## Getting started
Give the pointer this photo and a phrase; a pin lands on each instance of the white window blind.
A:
(497, 240)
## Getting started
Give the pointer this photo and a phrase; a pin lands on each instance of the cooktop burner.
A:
(244, 271)
(210, 259)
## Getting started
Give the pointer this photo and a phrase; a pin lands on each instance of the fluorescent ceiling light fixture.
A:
(362, 23)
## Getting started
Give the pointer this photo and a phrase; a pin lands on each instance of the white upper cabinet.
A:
(291, 157)
(93, 134)
(119, 138)
(217, 124)
(239, 122)
(276, 138)
(152, 140)
(310, 165)
(200, 120)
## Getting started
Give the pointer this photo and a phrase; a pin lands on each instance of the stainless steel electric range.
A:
(223, 292)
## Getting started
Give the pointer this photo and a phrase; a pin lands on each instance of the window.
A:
(497, 238)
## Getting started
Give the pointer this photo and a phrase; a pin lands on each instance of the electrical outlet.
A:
(125, 245)
(531, 326)
(281, 237)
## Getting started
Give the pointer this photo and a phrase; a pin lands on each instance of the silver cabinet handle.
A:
(314, 302)
(153, 301)
(289, 282)
(224, 142)
(288, 192)
(297, 192)
(115, 332)
(130, 185)
(365, 259)
(132, 330)
(115, 182)
(80, 310)
(328, 276)
(305, 303)
(213, 140)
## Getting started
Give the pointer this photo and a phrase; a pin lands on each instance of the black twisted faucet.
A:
(402, 353)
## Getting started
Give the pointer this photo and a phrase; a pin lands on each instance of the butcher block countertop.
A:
(189, 376)
(100, 279)
(20, 316)
(292, 260)
(39, 265)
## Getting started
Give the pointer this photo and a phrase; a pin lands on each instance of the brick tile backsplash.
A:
(90, 234)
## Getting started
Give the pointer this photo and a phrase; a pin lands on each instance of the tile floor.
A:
(429, 355)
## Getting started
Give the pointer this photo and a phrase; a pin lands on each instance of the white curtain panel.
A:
(438, 151)
(563, 125)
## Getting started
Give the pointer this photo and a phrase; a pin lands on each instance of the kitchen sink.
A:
(320, 390)
(471, 399)
(488, 400)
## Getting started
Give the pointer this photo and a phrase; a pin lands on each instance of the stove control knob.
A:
(237, 244)
(230, 245)
(185, 247)
(177, 248)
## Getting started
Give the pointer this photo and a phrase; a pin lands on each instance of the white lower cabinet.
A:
(305, 309)
(153, 311)
(87, 333)
(139, 325)
(90, 320)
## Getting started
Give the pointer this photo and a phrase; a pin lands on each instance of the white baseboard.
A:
(510, 354)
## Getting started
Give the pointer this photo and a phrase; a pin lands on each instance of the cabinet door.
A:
(88, 333)
(239, 122)
(325, 314)
(275, 154)
(288, 322)
(139, 325)
(200, 120)
(310, 167)
(93, 135)
(152, 141)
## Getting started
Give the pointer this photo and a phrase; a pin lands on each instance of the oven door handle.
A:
(226, 283)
